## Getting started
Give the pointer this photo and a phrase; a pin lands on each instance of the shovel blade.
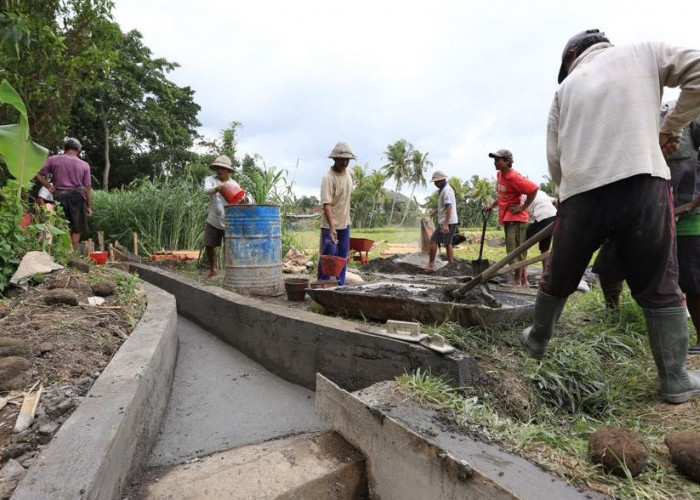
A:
(479, 266)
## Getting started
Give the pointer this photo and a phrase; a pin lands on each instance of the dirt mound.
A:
(394, 265)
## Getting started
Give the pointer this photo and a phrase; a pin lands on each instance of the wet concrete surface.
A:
(221, 399)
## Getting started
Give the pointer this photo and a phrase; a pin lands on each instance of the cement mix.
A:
(221, 399)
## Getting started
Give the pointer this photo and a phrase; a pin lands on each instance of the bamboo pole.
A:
(101, 240)
(136, 243)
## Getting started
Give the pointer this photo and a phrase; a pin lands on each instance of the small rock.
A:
(45, 347)
(614, 446)
(17, 450)
(13, 347)
(61, 408)
(353, 279)
(104, 288)
(61, 296)
(4, 309)
(78, 264)
(684, 447)
(12, 473)
(14, 373)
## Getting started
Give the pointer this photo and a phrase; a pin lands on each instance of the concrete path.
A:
(221, 399)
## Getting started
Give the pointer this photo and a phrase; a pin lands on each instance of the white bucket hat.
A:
(438, 175)
(222, 161)
(342, 150)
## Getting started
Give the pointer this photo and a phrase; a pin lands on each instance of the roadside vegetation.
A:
(598, 371)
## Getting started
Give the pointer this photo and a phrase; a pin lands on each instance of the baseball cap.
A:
(502, 153)
(578, 43)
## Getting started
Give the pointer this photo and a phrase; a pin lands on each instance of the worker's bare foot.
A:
(211, 273)
(429, 267)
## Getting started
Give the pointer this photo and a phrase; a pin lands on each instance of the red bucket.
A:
(232, 195)
(99, 258)
(332, 265)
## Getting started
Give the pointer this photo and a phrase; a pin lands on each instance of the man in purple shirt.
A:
(71, 186)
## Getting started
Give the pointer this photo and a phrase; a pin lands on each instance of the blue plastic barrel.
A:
(254, 249)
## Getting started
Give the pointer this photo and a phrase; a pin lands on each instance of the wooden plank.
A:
(101, 240)
(26, 413)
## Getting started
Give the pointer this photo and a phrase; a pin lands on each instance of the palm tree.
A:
(399, 157)
(359, 175)
(376, 182)
(419, 167)
(482, 190)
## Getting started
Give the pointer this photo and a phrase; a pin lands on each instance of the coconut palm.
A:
(419, 167)
(376, 182)
(398, 167)
(359, 175)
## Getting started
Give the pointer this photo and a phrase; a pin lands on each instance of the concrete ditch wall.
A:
(296, 344)
(111, 433)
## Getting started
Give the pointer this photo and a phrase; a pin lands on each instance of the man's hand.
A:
(89, 211)
(515, 209)
(334, 235)
(51, 188)
(444, 228)
(668, 143)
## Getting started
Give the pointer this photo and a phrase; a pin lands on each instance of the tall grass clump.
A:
(167, 213)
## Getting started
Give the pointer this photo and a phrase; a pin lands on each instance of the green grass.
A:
(597, 371)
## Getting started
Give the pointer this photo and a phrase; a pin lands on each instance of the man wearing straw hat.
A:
(447, 220)
(336, 188)
(216, 219)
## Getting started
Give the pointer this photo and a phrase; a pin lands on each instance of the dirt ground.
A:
(60, 347)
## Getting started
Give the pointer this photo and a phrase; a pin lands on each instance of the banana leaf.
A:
(23, 157)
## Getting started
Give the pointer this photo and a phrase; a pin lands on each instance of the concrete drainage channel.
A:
(395, 450)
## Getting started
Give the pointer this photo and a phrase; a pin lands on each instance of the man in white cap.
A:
(447, 220)
(71, 186)
(605, 150)
(216, 219)
(336, 188)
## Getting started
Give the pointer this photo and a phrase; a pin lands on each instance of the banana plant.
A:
(23, 157)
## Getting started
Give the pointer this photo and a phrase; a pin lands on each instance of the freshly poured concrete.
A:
(302, 466)
(221, 399)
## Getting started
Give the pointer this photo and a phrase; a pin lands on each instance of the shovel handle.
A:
(491, 271)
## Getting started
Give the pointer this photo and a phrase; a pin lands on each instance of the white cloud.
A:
(456, 79)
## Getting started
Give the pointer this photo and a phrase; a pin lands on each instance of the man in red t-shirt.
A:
(512, 211)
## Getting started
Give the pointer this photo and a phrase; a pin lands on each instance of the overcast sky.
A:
(457, 79)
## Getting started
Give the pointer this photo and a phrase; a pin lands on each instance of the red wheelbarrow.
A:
(360, 248)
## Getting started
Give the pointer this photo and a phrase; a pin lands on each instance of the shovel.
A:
(480, 265)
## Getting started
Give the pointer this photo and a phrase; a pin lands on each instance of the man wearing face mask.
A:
(605, 150)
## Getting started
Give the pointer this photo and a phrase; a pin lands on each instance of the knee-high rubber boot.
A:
(547, 311)
(668, 337)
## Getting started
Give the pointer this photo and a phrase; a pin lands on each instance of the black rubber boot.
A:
(668, 337)
(547, 311)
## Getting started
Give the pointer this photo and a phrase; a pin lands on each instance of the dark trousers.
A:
(636, 215)
(339, 249)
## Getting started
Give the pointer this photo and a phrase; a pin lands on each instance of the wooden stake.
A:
(90, 246)
(101, 240)
(136, 243)
(26, 413)
(111, 252)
